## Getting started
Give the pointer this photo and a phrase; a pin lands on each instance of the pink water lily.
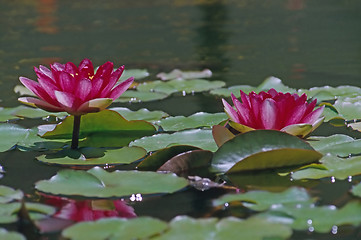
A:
(286, 112)
(76, 90)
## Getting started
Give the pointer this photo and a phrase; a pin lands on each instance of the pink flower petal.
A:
(121, 88)
(46, 71)
(312, 117)
(104, 71)
(83, 89)
(232, 114)
(35, 102)
(96, 88)
(67, 100)
(114, 77)
(243, 113)
(269, 114)
(245, 99)
(86, 69)
(71, 68)
(66, 82)
(35, 88)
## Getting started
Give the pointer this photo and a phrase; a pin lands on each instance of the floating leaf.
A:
(183, 227)
(97, 182)
(123, 155)
(356, 190)
(157, 159)
(5, 235)
(8, 194)
(115, 228)
(6, 114)
(140, 96)
(263, 200)
(271, 82)
(141, 114)
(331, 93)
(196, 137)
(136, 73)
(196, 120)
(338, 144)
(262, 149)
(103, 129)
(187, 86)
(12, 134)
(8, 212)
(340, 168)
(319, 219)
(178, 74)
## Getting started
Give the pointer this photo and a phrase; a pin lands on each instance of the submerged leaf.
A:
(110, 157)
(263, 200)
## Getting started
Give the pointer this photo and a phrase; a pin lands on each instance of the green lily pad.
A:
(186, 86)
(123, 155)
(8, 212)
(157, 159)
(6, 235)
(320, 219)
(338, 145)
(6, 114)
(263, 200)
(39, 211)
(112, 228)
(136, 73)
(356, 190)
(262, 149)
(12, 134)
(200, 138)
(331, 166)
(8, 194)
(132, 96)
(183, 227)
(271, 82)
(103, 129)
(196, 120)
(178, 74)
(22, 91)
(141, 114)
(331, 93)
(97, 182)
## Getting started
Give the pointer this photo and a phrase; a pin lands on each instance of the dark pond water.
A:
(304, 43)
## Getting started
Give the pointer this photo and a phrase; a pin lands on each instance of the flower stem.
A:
(76, 129)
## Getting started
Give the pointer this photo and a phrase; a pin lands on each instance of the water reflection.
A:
(46, 20)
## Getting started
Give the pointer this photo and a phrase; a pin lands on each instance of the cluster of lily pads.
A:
(265, 169)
